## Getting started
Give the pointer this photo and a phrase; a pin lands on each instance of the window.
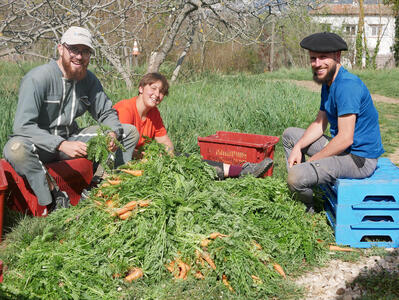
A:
(376, 30)
(350, 29)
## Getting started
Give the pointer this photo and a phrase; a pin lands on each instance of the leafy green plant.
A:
(98, 148)
(78, 252)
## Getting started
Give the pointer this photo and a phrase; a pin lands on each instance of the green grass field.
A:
(378, 81)
(75, 253)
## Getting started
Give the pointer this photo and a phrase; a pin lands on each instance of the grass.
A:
(381, 81)
(377, 81)
(10, 76)
(389, 122)
(94, 246)
(254, 105)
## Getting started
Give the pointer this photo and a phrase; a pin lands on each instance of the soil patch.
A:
(314, 87)
(334, 281)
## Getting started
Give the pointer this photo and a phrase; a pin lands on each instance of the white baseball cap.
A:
(77, 36)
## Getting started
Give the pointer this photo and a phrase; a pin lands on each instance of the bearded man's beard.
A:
(73, 73)
(327, 78)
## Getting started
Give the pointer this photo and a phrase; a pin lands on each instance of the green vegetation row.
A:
(85, 252)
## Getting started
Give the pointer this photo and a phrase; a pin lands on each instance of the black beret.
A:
(324, 42)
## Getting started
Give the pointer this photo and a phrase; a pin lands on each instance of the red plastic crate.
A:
(72, 176)
(237, 148)
(3, 188)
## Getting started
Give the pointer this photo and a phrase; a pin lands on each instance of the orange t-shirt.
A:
(151, 127)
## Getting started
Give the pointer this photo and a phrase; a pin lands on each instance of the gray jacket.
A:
(49, 104)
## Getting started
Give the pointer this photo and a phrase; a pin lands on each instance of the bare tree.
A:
(157, 25)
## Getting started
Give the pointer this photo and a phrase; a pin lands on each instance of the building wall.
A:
(341, 23)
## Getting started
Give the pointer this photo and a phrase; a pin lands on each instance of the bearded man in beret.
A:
(355, 143)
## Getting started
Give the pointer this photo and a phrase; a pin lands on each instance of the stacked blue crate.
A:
(365, 212)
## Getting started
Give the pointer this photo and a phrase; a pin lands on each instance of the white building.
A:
(379, 24)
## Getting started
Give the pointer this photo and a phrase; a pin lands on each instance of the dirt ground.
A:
(314, 87)
(333, 281)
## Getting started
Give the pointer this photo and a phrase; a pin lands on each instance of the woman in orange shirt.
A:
(142, 112)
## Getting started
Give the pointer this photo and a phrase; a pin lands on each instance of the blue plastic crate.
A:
(367, 209)
(383, 183)
(371, 208)
(362, 234)
(368, 234)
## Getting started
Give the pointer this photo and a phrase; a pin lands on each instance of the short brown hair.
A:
(150, 78)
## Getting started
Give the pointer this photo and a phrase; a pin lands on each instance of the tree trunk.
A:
(396, 44)
(271, 55)
(184, 52)
(112, 57)
(125, 49)
(359, 36)
(157, 57)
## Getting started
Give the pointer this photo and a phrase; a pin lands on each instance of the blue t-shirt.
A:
(349, 95)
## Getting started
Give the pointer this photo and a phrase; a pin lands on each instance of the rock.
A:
(340, 291)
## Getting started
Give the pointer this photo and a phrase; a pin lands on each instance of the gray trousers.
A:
(302, 177)
(28, 160)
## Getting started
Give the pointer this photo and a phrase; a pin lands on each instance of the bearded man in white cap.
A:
(355, 144)
(51, 97)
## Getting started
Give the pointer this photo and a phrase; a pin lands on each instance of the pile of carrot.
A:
(182, 232)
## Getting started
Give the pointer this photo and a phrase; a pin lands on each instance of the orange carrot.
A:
(199, 275)
(131, 205)
(144, 203)
(125, 215)
(205, 242)
(205, 255)
(279, 269)
(105, 184)
(134, 274)
(199, 260)
(258, 246)
(114, 182)
(109, 203)
(336, 248)
(133, 172)
(226, 283)
(171, 266)
(121, 211)
(184, 268)
(215, 235)
(98, 203)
